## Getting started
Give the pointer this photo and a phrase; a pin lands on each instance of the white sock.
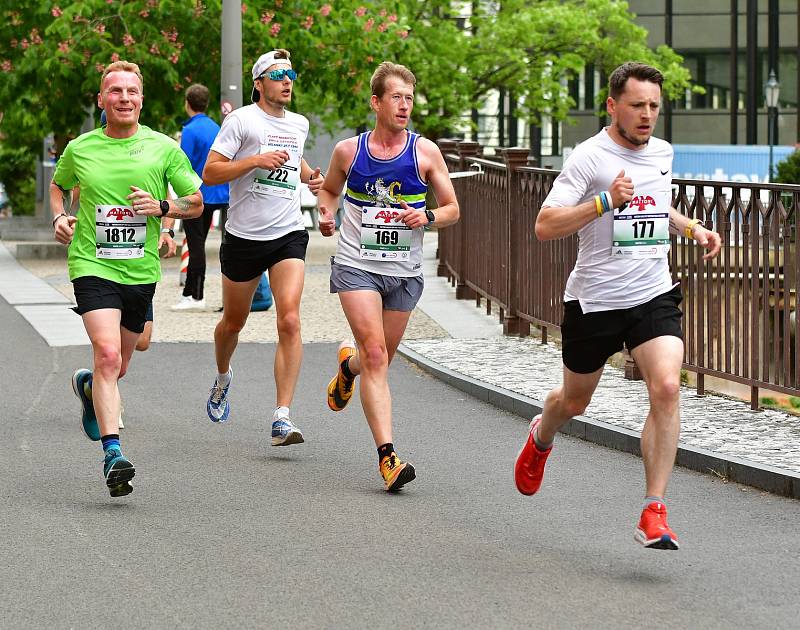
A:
(224, 379)
(281, 413)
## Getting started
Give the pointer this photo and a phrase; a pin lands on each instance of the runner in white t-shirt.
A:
(259, 150)
(615, 193)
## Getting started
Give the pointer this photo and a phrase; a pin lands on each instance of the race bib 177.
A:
(642, 229)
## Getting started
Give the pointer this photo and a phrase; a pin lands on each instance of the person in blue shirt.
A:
(198, 135)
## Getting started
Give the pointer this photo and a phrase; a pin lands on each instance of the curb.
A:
(774, 480)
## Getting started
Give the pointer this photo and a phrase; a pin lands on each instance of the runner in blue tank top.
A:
(377, 270)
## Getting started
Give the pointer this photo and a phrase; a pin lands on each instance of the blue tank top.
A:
(385, 183)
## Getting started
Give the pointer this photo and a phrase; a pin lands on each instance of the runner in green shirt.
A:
(122, 170)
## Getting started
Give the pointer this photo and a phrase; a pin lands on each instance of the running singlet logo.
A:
(383, 194)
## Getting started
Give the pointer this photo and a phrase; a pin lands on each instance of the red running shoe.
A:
(653, 531)
(529, 468)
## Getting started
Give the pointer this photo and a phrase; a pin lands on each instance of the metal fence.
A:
(739, 319)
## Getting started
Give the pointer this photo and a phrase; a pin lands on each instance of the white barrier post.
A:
(184, 262)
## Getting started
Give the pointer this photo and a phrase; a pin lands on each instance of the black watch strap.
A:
(164, 206)
(430, 215)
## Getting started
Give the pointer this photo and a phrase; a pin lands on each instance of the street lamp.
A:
(772, 91)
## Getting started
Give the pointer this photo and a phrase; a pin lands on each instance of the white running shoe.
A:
(218, 406)
(188, 303)
(285, 433)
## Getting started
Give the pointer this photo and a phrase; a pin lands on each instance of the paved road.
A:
(225, 531)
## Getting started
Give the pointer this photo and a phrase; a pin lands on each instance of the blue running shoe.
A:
(81, 380)
(217, 406)
(118, 472)
(285, 433)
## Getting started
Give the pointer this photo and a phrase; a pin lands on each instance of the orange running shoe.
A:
(340, 389)
(395, 473)
(529, 467)
(653, 531)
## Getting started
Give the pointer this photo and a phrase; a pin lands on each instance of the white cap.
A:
(265, 61)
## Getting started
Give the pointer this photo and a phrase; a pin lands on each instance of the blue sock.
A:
(111, 441)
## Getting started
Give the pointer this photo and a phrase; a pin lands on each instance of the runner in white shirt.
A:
(614, 192)
(259, 150)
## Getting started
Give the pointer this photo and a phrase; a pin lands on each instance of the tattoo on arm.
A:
(181, 207)
(673, 227)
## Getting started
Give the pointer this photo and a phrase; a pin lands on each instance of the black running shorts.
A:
(589, 339)
(133, 300)
(242, 259)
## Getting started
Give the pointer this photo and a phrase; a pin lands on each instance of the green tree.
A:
(52, 55)
(788, 169)
(531, 48)
(335, 47)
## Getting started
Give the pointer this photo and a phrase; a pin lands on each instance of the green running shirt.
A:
(105, 169)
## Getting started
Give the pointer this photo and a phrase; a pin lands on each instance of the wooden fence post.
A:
(447, 147)
(466, 150)
(514, 158)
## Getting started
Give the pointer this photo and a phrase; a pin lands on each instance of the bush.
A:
(18, 173)
(788, 170)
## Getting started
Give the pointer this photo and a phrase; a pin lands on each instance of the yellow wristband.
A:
(598, 204)
(690, 227)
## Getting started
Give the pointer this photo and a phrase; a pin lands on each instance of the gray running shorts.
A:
(398, 293)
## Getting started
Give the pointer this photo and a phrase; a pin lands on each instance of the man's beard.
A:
(629, 138)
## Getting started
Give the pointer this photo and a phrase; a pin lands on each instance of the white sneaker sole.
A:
(293, 437)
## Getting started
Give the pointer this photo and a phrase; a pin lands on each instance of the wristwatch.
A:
(430, 215)
(164, 204)
(169, 231)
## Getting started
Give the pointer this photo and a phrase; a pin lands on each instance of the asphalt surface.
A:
(224, 530)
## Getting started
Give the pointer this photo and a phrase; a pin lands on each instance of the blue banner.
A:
(723, 162)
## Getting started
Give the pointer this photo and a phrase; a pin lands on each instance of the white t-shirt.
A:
(264, 205)
(599, 281)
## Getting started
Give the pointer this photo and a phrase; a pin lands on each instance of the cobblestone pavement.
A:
(320, 313)
(715, 423)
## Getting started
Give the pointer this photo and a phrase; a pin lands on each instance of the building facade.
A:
(729, 46)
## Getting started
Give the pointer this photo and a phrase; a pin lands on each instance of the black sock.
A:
(345, 367)
(384, 450)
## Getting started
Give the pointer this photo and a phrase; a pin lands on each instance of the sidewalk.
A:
(458, 343)
(320, 312)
